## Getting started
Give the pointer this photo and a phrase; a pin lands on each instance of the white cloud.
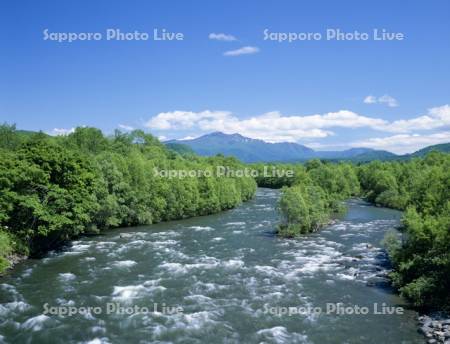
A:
(388, 100)
(370, 100)
(404, 143)
(436, 117)
(126, 127)
(222, 37)
(242, 51)
(277, 127)
(271, 126)
(162, 138)
(61, 131)
(184, 119)
(385, 99)
(188, 138)
(327, 146)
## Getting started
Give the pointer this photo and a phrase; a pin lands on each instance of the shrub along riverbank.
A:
(421, 261)
(57, 188)
(421, 187)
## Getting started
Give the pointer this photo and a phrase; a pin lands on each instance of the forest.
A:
(54, 189)
(420, 187)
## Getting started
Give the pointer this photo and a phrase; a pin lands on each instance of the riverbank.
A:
(58, 188)
(13, 260)
(354, 262)
(435, 328)
(227, 271)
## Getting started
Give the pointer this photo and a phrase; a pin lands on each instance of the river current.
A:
(223, 278)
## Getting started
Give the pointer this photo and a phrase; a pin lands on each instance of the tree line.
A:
(421, 259)
(57, 188)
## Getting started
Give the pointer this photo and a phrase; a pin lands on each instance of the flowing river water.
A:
(229, 274)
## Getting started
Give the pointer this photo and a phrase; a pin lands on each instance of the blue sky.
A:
(326, 94)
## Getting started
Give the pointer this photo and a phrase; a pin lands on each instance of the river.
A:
(223, 278)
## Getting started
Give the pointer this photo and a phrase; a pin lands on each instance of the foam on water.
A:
(280, 334)
(6, 309)
(202, 228)
(175, 268)
(234, 224)
(222, 270)
(35, 323)
(130, 292)
(66, 277)
(89, 259)
(124, 263)
(102, 340)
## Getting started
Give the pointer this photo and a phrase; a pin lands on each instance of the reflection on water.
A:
(227, 272)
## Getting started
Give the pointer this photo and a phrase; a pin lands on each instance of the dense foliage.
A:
(5, 249)
(314, 193)
(422, 259)
(55, 188)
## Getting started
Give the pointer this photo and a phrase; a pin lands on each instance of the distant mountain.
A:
(180, 148)
(374, 155)
(253, 150)
(246, 149)
(443, 147)
(356, 154)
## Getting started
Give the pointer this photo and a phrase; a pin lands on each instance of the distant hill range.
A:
(253, 150)
(443, 147)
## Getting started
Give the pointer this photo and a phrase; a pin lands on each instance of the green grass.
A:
(5, 250)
